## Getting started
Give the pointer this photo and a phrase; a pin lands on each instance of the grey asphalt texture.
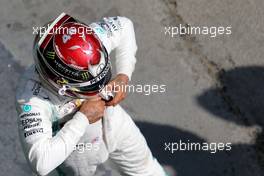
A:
(214, 86)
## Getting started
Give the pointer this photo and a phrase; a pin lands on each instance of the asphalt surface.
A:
(214, 86)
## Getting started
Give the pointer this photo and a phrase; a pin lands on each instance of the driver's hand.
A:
(93, 109)
(118, 86)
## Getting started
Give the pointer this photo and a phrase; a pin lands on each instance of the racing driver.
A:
(69, 121)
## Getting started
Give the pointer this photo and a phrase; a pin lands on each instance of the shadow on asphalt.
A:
(239, 99)
(187, 163)
(242, 91)
(12, 159)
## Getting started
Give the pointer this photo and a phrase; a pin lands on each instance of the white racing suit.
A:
(58, 140)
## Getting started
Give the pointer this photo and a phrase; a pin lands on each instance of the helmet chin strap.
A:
(103, 93)
(63, 89)
(106, 95)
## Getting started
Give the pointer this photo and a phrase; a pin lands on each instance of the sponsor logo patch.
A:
(99, 30)
(26, 108)
(31, 126)
(34, 131)
(30, 121)
(30, 114)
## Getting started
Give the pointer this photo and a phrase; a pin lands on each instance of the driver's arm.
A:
(43, 151)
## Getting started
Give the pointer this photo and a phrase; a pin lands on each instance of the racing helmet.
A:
(71, 59)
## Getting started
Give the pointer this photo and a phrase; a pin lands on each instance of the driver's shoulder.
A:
(30, 88)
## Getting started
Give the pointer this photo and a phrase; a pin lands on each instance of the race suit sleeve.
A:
(43, 151)
(117, 33)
